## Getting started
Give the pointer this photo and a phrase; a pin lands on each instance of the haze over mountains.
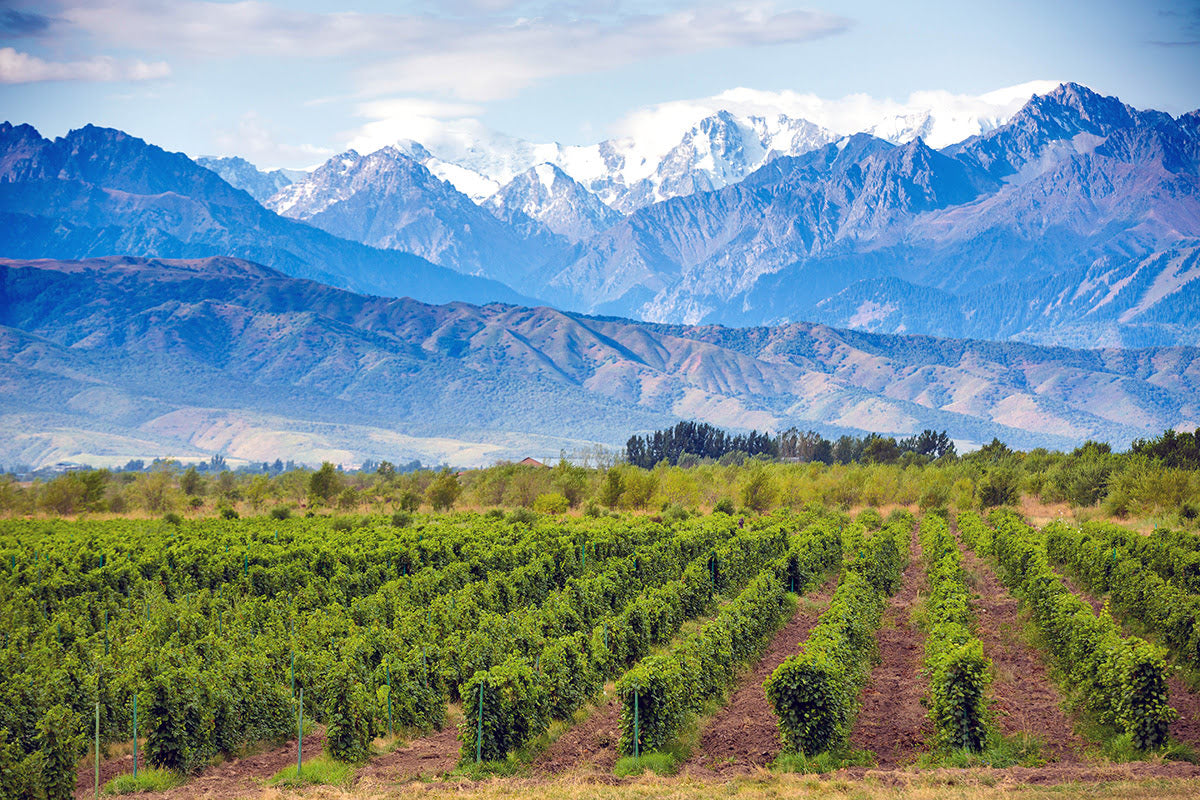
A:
(1076, 222)
(115, 356)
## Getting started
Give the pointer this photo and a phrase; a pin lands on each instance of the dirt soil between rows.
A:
(892, 722)
(236, 778)
(1025, 699)
(589, 745)
(743, 736)
(428, 756)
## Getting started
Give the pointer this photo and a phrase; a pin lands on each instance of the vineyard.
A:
(477, 644)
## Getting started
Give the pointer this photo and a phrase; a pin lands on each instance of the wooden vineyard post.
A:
(479, 727)
(135, 754)
(300, 735)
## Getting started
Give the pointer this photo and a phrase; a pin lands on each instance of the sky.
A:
(290, 84)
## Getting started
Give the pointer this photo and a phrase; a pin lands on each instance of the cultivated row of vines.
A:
(1119, 680)
(217, 625)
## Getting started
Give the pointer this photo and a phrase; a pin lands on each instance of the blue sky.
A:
(287, 84)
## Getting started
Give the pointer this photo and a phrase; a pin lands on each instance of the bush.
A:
(171, 518)
(724, 506)
(958, 670)
(349, 720)
(60, 741)
(228, 512)
(814, 694)
(514, 705)
(401, 519)
(551, 503)
(280, 512)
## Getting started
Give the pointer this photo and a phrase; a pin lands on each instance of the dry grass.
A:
(938, 785)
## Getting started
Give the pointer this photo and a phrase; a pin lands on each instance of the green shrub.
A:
(514, 708)
(349, 719)
(280, 512)
(228, 512)
(551, 503)
(814, 694)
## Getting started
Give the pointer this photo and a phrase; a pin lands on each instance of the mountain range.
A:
(761, 272)
(115, 357)
(1044, 228)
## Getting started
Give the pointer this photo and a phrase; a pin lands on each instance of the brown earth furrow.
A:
(592, 744)
(743, 736)
(1025, 699)
(433, 754)
(236, 778)
(892, 722)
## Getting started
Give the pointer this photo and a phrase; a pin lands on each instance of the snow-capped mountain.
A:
(241, 174)
(556, 200)
(388, 199)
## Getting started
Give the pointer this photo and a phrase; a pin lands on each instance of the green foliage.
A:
(662, 691)
(147, 780)
(444, 491)
(320, 771)
(514, 708)
(280, 513)
(958, 670)
(325, 483)
(551, 503)
(815, 694)
(349, 720)
(61, 742)
(1121, 681)
(1153, 579)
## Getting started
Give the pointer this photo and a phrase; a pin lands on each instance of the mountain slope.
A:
(1074, 181)
(221, 354)
(98, 191)
(241, 174)
(389, 200)
(552, 197)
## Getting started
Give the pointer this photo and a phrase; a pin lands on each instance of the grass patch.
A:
(320, 771)
(829, 761)
(481, 770)
(1018, 750)
(147, 780)
(660, 763)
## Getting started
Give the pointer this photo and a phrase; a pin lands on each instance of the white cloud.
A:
(956, 116)
(252, 139)
(481, 57)
(495, 61)
(18, 67)
(430, 122)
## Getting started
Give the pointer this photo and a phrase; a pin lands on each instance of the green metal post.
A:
(389, 680)
(636, 736)
(293, 673)
(97, 749)
(479, 728)
(300, 735)
(135, 735)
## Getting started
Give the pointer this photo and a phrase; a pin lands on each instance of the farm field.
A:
(799, 653)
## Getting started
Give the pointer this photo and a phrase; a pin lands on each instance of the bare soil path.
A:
(891, 721)
(236, 778)
(592, 744)
(743, 736)
(434, 754)
(1025, 699)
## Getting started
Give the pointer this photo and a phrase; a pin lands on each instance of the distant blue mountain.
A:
(132, 357)
(98, 191)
